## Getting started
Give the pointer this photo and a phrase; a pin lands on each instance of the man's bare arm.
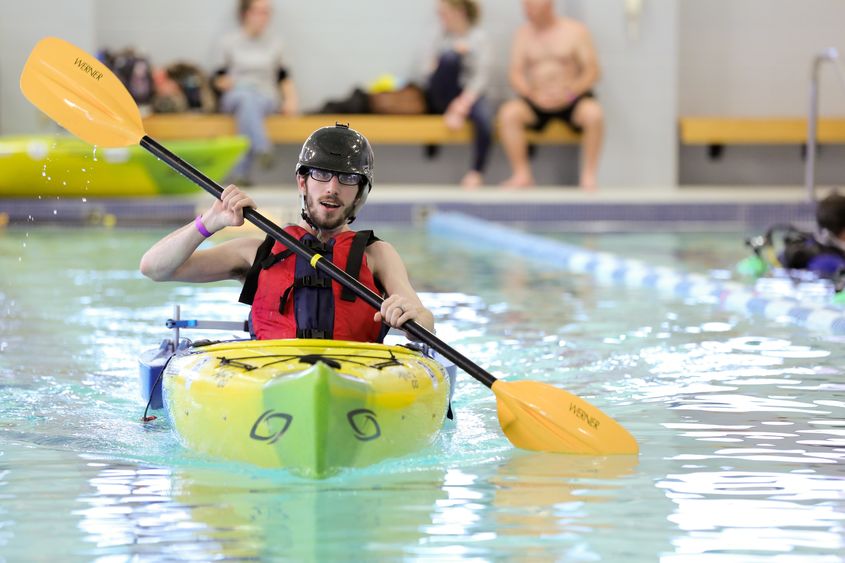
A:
(176, 258)
(516, 72)
(402, 303)
(588, 60)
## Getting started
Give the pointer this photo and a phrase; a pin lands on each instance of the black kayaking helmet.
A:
(339, 148)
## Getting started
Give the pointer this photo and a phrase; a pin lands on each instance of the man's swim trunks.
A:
(565, 114)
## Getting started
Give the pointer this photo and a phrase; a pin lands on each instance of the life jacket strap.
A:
(274, 259)
(355, 258)
(251, 279)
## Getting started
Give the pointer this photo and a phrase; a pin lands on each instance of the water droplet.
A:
(55, 211)
(84, 200)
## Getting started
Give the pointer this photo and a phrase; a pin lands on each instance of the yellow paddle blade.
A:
(537, 416)
(81, 94)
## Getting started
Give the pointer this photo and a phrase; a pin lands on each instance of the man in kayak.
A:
(290, 298)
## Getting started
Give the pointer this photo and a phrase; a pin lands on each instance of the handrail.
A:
(828, 55)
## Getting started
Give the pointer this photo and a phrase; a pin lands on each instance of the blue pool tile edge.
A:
(566, 214)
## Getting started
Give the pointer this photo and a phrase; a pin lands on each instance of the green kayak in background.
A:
(32, 166)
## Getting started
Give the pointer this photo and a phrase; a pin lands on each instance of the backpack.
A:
(133, 70)
(356, 102)
(182, 87)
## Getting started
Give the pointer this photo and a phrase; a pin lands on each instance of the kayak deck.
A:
(314, 407)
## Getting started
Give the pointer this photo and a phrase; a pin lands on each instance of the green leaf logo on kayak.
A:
(276, 422)
(364, 424)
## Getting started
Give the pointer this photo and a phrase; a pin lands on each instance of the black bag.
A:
(182, 87)
(133, 70)
(357, 102)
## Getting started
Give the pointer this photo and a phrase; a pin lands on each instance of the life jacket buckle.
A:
(313, 281)
(314, 333)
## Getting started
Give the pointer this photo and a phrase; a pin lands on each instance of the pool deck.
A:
(567, 208)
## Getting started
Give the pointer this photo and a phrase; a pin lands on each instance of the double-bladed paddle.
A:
(82, 95)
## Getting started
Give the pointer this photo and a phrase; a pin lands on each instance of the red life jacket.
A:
(291, 299)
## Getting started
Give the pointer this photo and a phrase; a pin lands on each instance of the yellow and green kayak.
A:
(63, 166)
(314, 407)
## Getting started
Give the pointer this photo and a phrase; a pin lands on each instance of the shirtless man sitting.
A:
(553, 69)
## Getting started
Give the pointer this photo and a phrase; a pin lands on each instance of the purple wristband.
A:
(201, 228)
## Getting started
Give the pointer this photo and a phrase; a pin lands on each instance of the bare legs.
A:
(472, 180)
(590, 118)
(443, 94)
(516, 115)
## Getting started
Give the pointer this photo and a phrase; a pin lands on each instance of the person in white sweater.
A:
(253, 81)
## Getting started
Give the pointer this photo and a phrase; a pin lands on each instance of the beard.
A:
(316, 215)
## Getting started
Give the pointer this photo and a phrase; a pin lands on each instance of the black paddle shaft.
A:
(373, 299)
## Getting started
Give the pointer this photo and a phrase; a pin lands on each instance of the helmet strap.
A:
(304, 214)
(361, 189)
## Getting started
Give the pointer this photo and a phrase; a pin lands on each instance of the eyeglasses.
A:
(345, 178)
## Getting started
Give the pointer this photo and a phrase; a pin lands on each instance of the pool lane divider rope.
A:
(611, 269)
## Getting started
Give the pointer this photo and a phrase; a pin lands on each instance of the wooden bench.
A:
(712, 131)
(379, 129)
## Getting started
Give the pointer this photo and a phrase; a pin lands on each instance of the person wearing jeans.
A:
(459, 71)
(253, 82)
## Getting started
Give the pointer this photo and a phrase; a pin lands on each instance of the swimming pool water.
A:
(741, 422)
